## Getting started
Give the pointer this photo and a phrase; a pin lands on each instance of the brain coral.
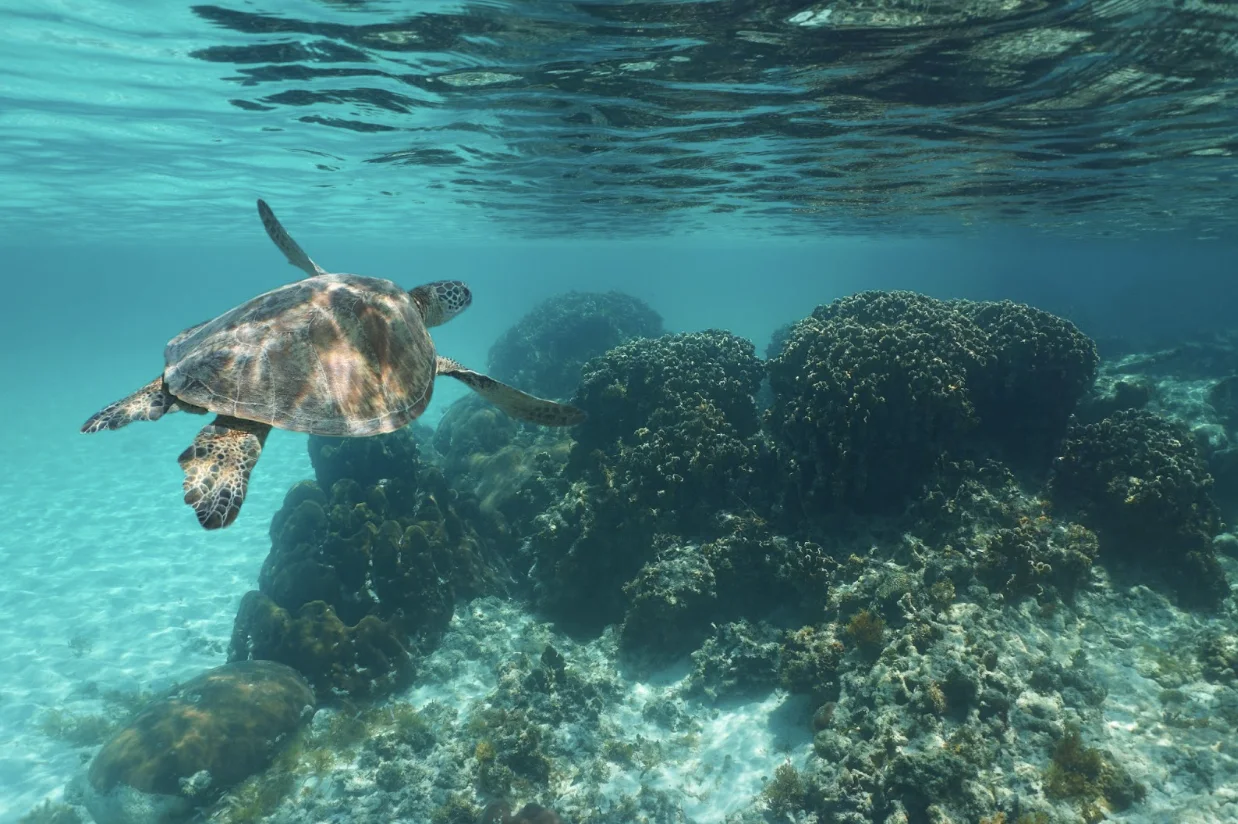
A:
(222, 726)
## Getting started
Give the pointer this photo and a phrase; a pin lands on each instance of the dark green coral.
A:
(1042, 366)
(671, 440)
(867, 395)
(360, 578)
(1138, 480)
(365, 461)
(871, 391)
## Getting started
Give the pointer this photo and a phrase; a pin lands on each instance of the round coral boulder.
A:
(382, 459)
(868, 393)
(872, 390)
(1043, 366)
(186, 748)
(1138, 480)
(672, 440)
(545, 350)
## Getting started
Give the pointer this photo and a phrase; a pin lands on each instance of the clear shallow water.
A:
(734, 164)
(106, 589)
(619, 119)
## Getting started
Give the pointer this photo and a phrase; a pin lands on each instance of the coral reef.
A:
(983, 525)
(1042, 367)
(391, 458)
(544, 351)
(872, 390)
(737, 660)
(672, 439)
(670, 603)
(506, 467)
(873, 568)
(1138, 480)
(689, 587)
(1038, 557)
(1192, 384)
(869, 391)
(361, 579)
(514, 716)
(809, 661)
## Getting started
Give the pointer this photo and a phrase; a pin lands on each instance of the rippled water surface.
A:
(545, 118)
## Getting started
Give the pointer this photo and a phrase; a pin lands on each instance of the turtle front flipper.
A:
(280, 237)
(150, 403)
(511, 400)
(217, 467)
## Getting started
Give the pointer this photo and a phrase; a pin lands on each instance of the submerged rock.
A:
(188, 747)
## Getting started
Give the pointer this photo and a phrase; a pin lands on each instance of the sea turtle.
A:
(330, 354)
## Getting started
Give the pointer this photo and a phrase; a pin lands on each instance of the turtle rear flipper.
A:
(217, 467)
(511, 400)
(150, 403)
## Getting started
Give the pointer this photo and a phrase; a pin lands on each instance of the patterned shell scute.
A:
(337, 355)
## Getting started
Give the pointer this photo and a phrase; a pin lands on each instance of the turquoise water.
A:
(731, 164)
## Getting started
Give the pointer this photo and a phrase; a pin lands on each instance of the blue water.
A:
(732, 164)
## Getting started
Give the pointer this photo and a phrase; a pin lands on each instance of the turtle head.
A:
(441, 300)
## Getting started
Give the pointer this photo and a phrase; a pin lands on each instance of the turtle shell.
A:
(337, 355)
